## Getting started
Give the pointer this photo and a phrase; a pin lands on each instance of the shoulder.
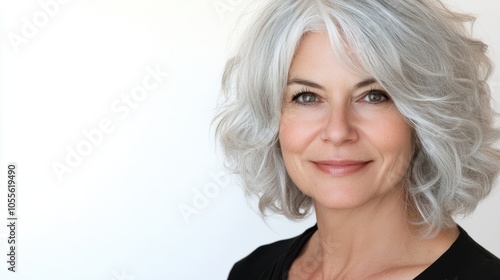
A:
(260, 260)
(465, 259)
(487, 270)
(269, 259)
(483, 264)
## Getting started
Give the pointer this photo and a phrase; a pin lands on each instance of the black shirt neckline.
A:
(464, 260)
(450, 260)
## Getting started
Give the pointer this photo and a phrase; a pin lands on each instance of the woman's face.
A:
(343, 140)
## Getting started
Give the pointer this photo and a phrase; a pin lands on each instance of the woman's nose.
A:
(339, 126)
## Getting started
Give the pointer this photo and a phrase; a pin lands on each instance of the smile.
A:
(340, 168)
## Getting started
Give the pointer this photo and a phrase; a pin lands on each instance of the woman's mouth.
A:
(341, 167)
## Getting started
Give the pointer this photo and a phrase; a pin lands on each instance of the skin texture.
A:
(345, 144)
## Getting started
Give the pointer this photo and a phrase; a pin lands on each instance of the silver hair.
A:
(421, 52)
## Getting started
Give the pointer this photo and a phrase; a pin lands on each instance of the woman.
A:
(377, 115)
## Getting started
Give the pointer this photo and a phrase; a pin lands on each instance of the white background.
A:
(116, 215)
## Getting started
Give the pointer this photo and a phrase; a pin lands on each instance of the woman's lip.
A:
(341, 167)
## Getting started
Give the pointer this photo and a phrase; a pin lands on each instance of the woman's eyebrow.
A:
(305, 83)
(363, 83)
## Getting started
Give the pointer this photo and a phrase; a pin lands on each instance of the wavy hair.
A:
(421, 52)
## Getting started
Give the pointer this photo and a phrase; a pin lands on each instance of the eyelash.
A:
(377, 91)
(300, 93)
(304, 91)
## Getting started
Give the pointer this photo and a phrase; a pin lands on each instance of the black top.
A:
(464, 260)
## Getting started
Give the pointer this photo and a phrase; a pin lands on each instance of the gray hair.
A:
(418, 50)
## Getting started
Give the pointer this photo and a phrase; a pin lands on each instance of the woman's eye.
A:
(375, 96)
(305, 98)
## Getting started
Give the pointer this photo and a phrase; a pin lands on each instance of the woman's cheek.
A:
(298, 128)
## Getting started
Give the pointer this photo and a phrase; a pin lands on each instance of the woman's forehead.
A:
(318, 49)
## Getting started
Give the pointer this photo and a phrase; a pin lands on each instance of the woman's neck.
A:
(373, 239)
